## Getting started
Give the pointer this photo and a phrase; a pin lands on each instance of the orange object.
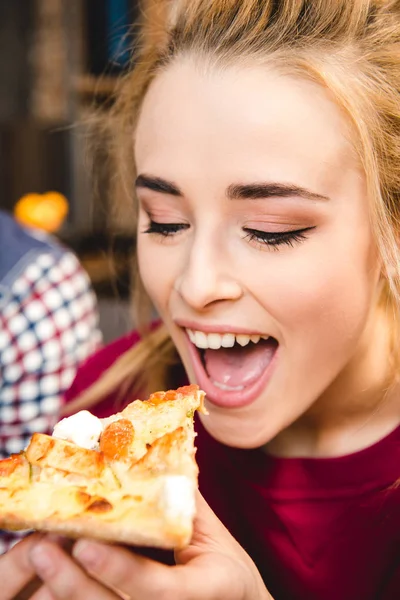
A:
(160, 397)
(42, 211)
(116, 439)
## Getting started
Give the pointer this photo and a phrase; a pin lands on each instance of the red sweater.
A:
(318, 529)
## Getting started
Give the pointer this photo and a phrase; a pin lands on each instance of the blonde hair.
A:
(351, 47)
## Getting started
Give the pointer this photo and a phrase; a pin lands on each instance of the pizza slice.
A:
(130, 478)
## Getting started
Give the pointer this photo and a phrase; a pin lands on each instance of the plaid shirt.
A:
(48, 325)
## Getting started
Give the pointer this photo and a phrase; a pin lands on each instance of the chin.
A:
(237, 431)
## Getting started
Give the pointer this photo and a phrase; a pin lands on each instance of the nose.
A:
(208, 277)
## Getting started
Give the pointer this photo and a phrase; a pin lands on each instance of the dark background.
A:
(59, 61)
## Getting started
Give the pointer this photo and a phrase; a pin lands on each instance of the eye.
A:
(268, 238)
(165, 229)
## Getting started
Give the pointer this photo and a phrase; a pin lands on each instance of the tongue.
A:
(237, 366)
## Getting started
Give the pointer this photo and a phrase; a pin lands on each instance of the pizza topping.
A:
(83, 497)
(160, 397)
(178, 497)
(116, 439)
(83, 429)
(8, 465)
(99, 505)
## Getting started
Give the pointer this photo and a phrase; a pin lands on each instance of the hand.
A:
(212, 567)
(17, 575)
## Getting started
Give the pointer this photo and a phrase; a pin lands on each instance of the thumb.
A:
(216, 565)
(209, 535)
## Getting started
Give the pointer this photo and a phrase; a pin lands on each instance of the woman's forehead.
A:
(243, 120)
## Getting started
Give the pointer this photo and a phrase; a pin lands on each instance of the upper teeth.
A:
(225, 340)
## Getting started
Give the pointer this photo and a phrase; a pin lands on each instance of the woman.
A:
(265, 138)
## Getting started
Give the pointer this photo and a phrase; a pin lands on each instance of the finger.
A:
(63, 578)
(213, 576)
(134, 576)
(210, 576)
(29, 590)
(16, 570)
(43, 594)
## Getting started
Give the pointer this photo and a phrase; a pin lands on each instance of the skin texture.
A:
(317, 296)
(205, 130)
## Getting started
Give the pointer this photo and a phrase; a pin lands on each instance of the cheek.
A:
(156, 271)
(325, 296)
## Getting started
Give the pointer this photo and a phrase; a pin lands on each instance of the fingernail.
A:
(88, 553)
(41, 559)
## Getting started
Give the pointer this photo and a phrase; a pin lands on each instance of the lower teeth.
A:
(227, 388)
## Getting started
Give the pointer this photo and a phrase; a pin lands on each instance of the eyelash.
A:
(165, 229)
(275, 239)
(289, 238)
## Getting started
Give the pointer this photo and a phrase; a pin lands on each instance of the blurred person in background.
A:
(48, 326)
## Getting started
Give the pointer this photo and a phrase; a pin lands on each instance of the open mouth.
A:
(232, 368)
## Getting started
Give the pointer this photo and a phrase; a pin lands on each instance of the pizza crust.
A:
(141, 517)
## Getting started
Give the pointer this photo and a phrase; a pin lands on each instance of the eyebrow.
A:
(156, 184)
(255, 191)
(252, 191)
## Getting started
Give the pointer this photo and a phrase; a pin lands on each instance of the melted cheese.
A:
(178, 497)
(83, 429)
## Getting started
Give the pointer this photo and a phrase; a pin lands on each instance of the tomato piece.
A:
(116, 439)
(170, 395)
(187, 390)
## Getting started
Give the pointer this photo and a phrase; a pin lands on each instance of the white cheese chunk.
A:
(83, 429)
(178, 497)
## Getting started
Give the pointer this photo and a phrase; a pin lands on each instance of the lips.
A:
(232, 376)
